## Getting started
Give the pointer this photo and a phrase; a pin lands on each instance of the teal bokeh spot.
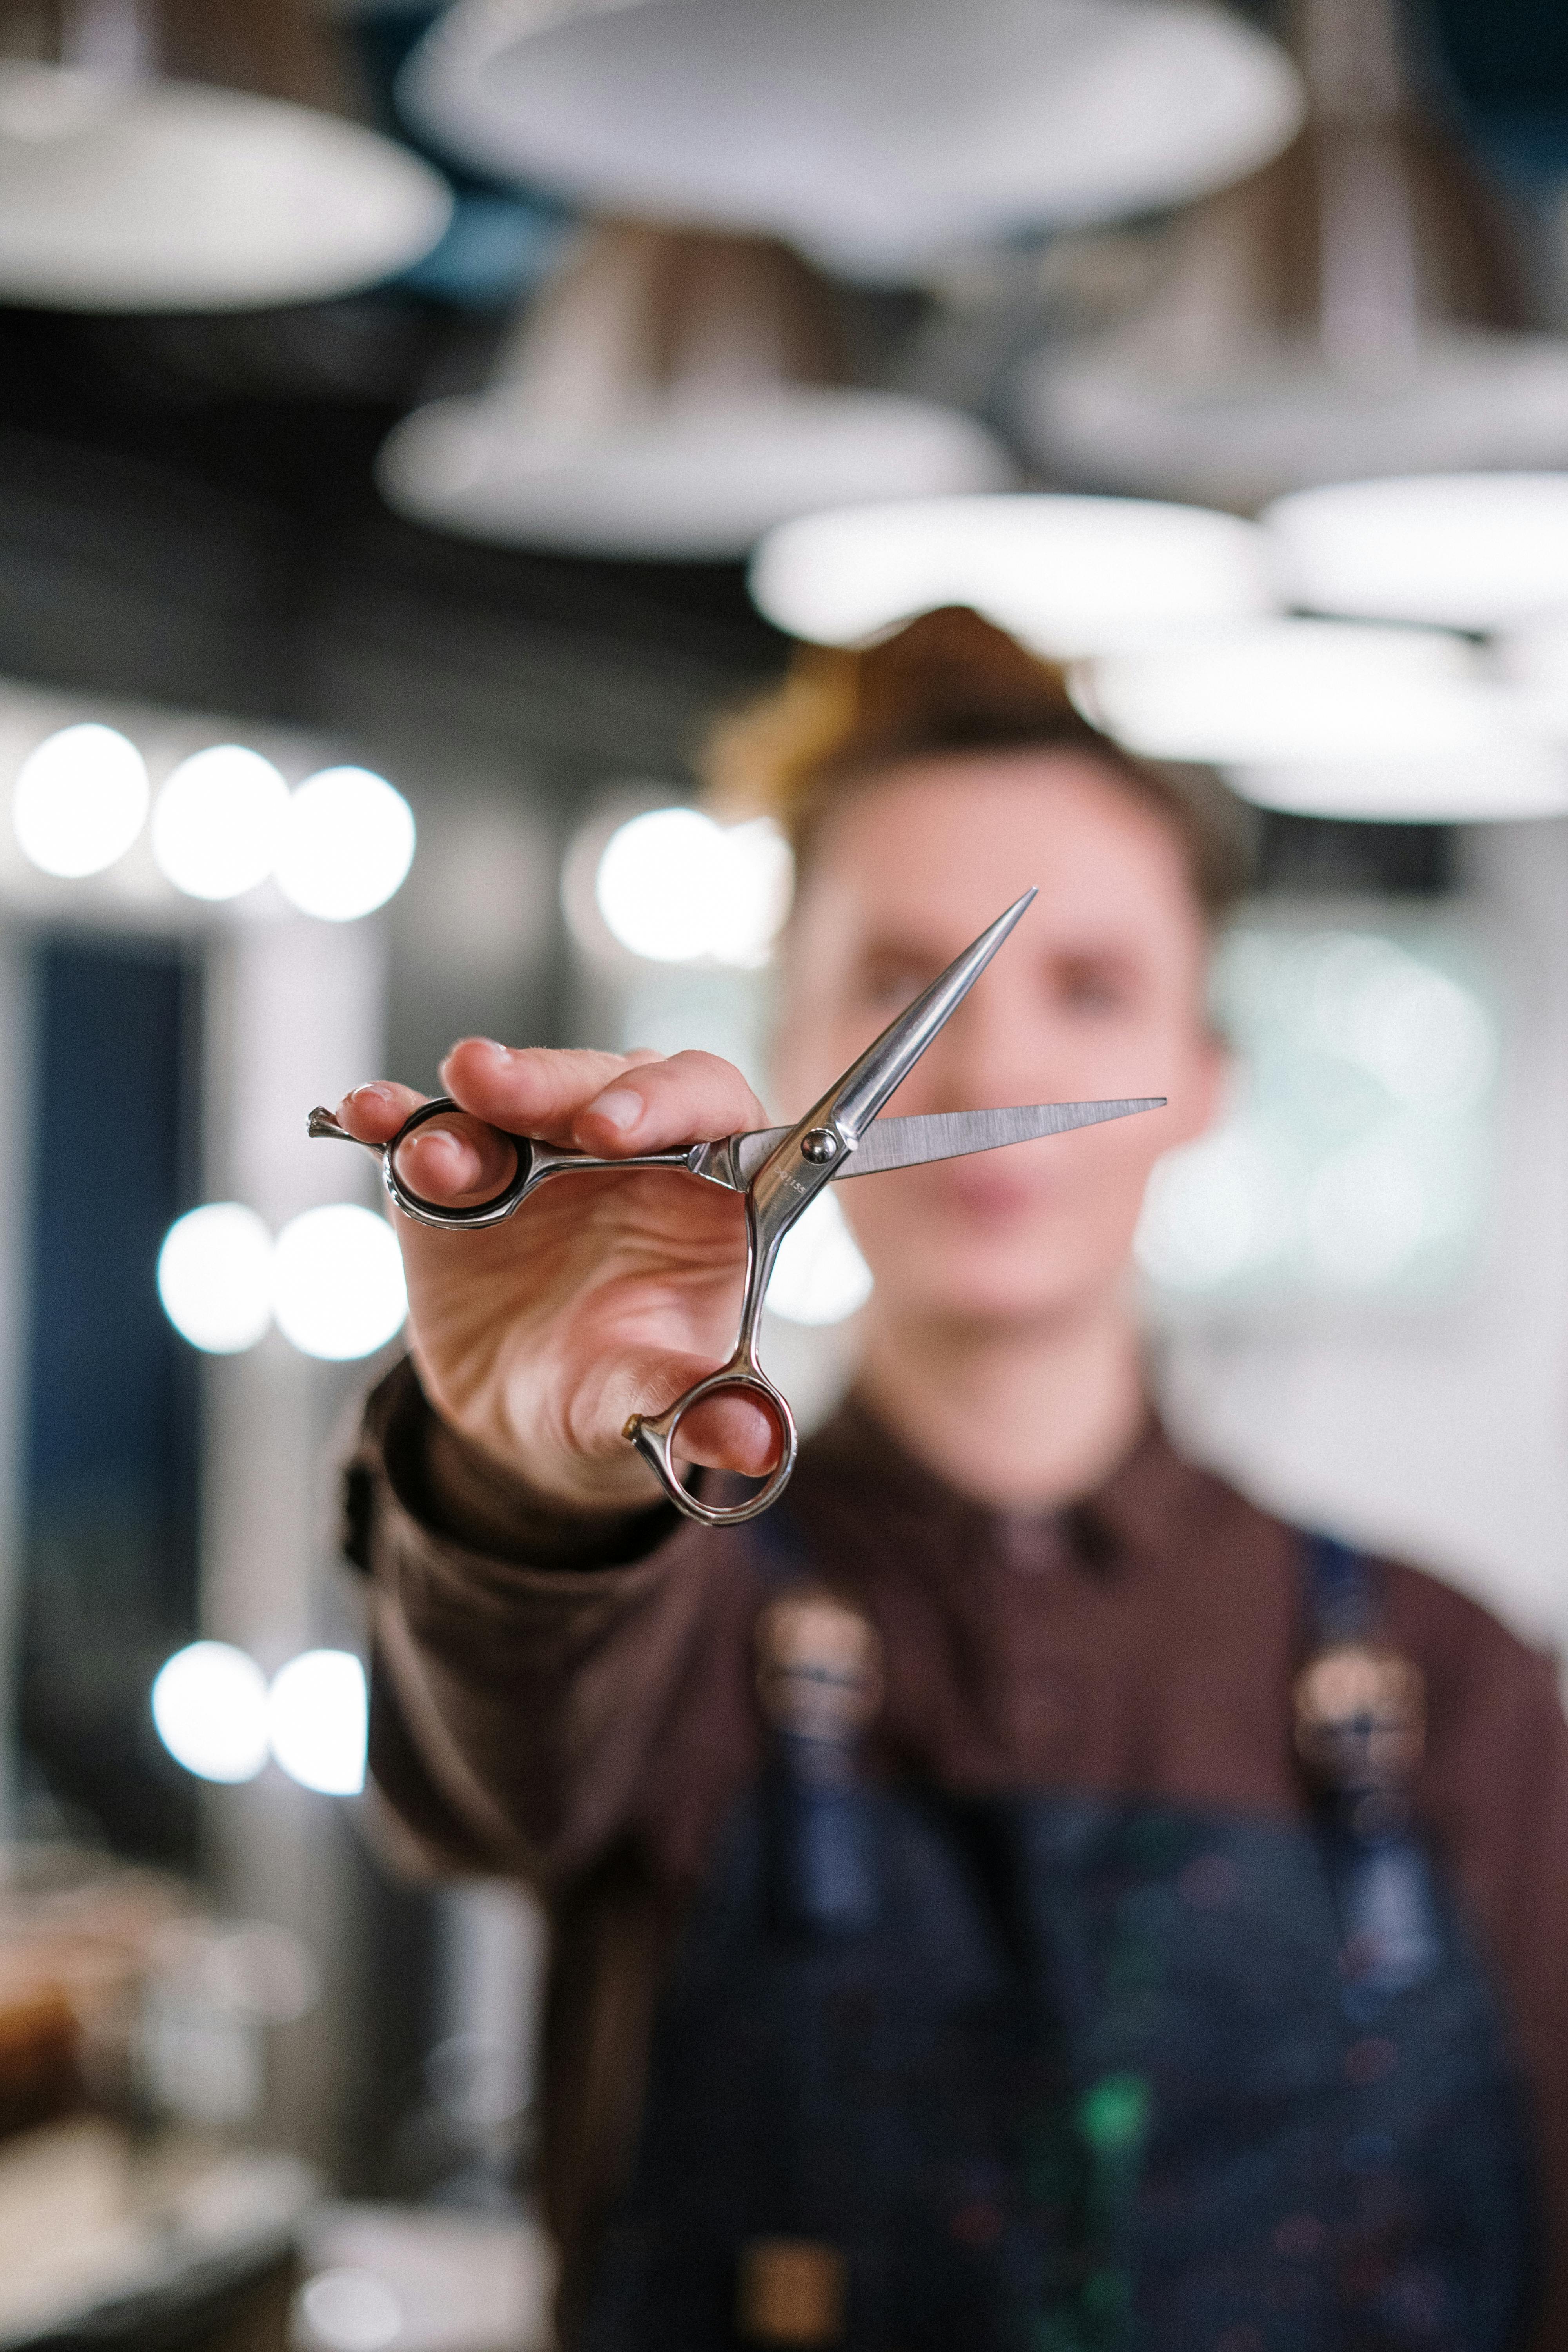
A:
(1114, 2113)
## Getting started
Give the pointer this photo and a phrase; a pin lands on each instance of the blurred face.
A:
(1099, 992)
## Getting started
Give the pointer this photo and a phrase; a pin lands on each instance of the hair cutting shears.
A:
(779, 1170)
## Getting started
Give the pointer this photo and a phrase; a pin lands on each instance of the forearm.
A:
(525, 1658)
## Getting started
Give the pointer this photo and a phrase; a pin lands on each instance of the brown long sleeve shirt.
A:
(587, 1727)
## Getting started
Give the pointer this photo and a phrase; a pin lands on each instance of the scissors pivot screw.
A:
(818, 1144)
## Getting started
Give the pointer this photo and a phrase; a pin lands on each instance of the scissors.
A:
(779, 1170)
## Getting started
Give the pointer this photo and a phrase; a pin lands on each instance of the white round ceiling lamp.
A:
(1477, 552)
(1066, 576)
(1336, 720)
(347, 842)
(217, 822)
(209, 1708)
(317, 1721)
(168, 196)
(80, 800)
(874, 134)
(1263, 421)
(704, 478)
(338, 1290)
(673, 393)
(673, 887)
(215, 1277)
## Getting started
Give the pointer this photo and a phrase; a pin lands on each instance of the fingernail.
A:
(373, 1093)
(620, 1108)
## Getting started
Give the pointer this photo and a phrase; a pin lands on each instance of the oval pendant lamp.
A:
(1069, 576)
(152, 195)
(874, 134)
(1351, 310)
(1338, 719)
(672, 394)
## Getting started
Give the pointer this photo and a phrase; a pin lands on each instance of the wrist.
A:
(490, 1507)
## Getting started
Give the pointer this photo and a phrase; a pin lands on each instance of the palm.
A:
(605, 1294)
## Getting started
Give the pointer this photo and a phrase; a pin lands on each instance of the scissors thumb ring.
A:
(653, 1434)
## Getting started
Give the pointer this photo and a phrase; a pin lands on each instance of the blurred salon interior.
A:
(417, 423)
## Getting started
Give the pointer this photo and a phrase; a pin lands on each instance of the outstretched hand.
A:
(603, 1295)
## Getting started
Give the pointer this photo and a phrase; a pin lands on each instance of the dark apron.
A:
(1047, 2073)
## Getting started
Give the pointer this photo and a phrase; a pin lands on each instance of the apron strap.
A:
(1360, 1727)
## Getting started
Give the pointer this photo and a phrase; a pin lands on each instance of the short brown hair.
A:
(949, 681)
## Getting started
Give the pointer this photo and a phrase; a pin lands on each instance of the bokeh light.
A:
(209, 1705)
(347, 843)
(674, 887)
(336, 1282)
(317, 1720)
(1068, 576)
(1301, 691)
(347, 2310)
(215, 1277)
(80, 801)
(217, 822)
(1467, 550)
(819, 1275)
(1353, 1161)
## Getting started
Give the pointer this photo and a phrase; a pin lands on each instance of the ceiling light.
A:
(1293, 690)
(819, 1275)
(675, 887)
(209, 1705)
(874, 134)
(217, 820)
(1503, 783)
(1348, 312)
(348, 2310)
(673, 394)
(703, 482)
(1066, 576)
(160, 196)
(317, 1721)
(215, 1277)
(338, 1290)
(1335, 718)
(1464, 551)
(80, 801)
(347, 843)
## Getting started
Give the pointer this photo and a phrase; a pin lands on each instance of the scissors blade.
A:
(944, 1135)
(949, 1134)
(859, 1095)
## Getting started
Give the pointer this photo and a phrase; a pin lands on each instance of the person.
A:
(1017, 1893)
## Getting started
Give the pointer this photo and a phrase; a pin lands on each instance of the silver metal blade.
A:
(859, 1095)
(949, 1134)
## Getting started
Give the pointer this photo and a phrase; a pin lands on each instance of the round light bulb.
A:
(337, 1283)
(674, 887)
(209, 1705)
(217, 821)
(348, 842)
(215, 1277)
(80, 801)
(317, 1719)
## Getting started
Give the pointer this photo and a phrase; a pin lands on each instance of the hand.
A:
(602, 1296)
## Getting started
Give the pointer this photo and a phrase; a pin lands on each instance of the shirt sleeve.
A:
(523, 1711)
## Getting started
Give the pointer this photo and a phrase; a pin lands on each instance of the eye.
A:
(1096, 985)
